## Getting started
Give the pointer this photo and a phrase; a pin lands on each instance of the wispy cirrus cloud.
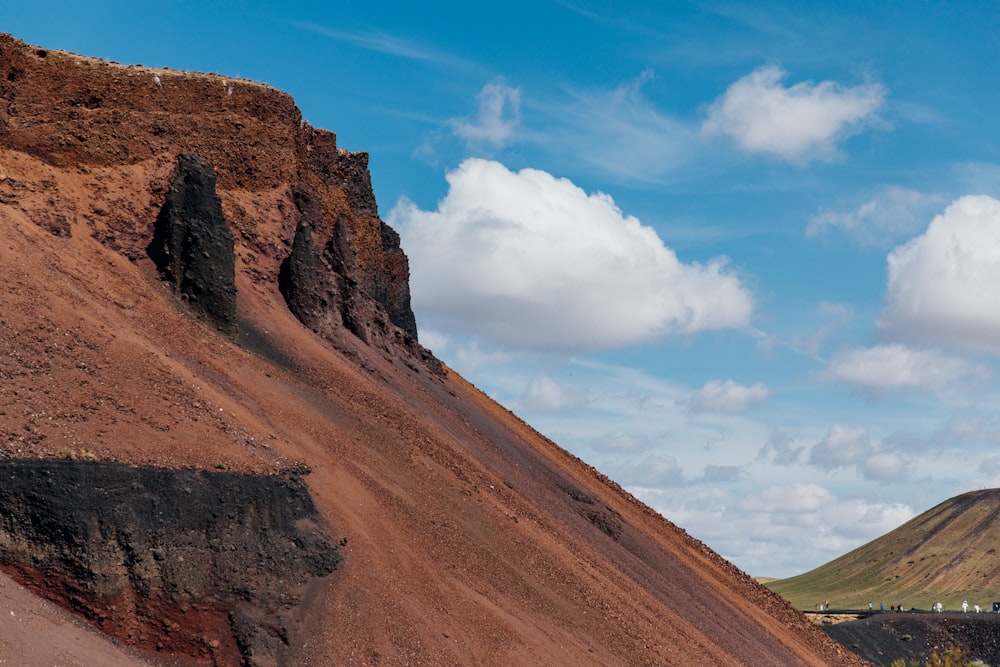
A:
(383, 42)
(893, 212)
(618, 131)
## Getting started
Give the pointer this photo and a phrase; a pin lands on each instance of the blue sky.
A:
(742, 257)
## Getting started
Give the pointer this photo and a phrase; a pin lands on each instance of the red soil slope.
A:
(471, 539)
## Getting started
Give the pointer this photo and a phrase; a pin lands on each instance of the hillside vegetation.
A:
(947, 554)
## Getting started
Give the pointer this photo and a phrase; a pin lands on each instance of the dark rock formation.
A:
(913, 637)
(393, 289)
(376, 269)
(192, 245)
(313, 279)
(207, 563)
(328, 289)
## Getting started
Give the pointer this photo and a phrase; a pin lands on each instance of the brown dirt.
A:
(471, 538)
(34, 632)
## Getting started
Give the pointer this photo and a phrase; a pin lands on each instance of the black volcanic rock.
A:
(314, 280)
(206, 554)
(394, 288)
(193, 246)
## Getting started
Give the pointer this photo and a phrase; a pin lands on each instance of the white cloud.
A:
(544, 394)
(884, 466)
(529, 259)
(728, 396)
(882, 368)
(893, 213)
(847, 447)
(779, 448)
(944, 286)
(843, 446)
(780, 530)
(864, 520)
(792, 499)
(653, 471)
(799, 123)
(497, 119)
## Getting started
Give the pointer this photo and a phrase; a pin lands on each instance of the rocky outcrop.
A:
(207, 564)
(349, 240)
(192, 245)
(87, 114)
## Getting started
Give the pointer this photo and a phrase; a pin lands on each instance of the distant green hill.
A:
(949, 553)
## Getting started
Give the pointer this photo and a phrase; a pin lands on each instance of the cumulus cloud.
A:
(798, 123)
(843, 446)
(780, 530)
(893, 213)
(728, 396)
(847, 446)
(529, 259)
(943, 284)
(497, 119)
(882, 368)
(545, 394)
(779, 449)
(791, 499)
(884, 466)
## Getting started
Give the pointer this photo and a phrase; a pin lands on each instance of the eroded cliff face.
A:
(275, 172)
(182, 563)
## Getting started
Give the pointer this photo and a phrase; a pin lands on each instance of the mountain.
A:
(947, 554)
(222, 443)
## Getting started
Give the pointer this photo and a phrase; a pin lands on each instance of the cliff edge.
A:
(279, 181)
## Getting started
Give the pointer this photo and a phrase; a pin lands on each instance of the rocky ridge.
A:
(84, 114)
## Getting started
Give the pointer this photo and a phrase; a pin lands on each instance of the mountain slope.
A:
(465, 536)
(947, 554)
